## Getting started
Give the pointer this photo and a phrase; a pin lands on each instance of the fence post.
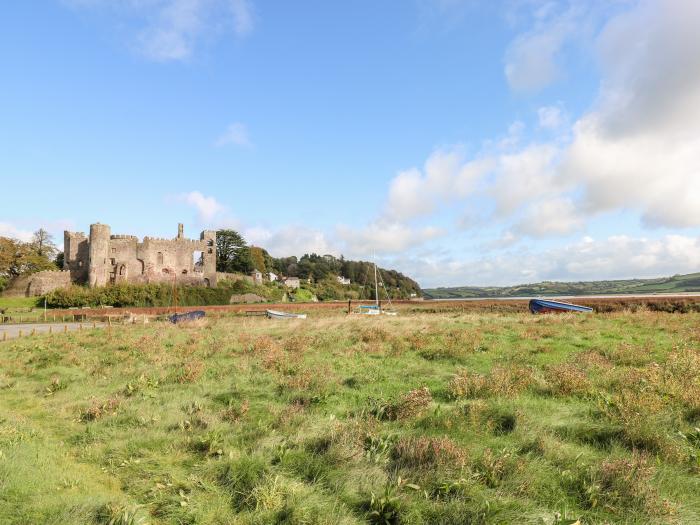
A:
(20, 332)
(33, 331)
(65, 328)
(50, 329)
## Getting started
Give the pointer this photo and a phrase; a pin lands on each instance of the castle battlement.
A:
(101, 258)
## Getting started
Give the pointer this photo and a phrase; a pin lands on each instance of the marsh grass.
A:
(447, 417)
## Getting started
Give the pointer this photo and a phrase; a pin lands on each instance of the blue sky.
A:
(461, 142)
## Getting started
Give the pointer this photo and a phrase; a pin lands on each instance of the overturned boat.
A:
(276, 314)
(187, 316)
(544, 306)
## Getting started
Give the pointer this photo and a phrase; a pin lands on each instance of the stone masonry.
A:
(101, 259)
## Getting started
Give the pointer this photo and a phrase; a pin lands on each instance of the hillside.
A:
(675, 284)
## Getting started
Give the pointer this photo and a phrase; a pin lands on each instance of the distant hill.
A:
(675, 284)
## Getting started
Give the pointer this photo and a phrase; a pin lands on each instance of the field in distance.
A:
(664, 285)
(454, 417)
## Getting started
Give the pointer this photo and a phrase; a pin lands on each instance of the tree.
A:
(18, 258)
(229, 245)
(42, 242)
(258, 259)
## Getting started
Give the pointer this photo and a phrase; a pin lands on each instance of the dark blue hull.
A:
(542, 306)
(187, 316)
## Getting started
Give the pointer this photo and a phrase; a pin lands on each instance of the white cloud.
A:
(208, 208)
(551, 117)
(291, 240)
(640, 147)
(551, 217)
(171, 30)
(13, 232)
(236, 134)
(446, 177)
(616, 257)
(384, 237)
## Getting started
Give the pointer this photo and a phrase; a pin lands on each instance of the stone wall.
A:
(104, 258)
(39, 283)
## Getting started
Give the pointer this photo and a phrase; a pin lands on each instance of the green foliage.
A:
(232, 253)
(19, 258)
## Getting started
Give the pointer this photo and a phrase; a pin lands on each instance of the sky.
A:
(462, 142)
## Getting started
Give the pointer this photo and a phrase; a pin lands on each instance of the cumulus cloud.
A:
(551, 117)
(640, 147)
(531, 61)
(615, 257)
(384, 237)
(10, 230)
(446, 176)
(551, 217)
(236, 134)
(208, 208)
(172, 29)
(291, 240)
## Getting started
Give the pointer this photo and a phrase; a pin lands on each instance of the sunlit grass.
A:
(423, 418)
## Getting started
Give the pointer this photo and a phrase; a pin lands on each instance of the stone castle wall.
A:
(38, 283)
(101, 259)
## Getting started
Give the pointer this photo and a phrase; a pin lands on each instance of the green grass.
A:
(17, 302)
(423, 418)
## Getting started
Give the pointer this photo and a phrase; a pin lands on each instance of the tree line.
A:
(235, 255)
(23, 257)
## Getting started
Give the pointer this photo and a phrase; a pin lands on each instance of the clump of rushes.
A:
(621, 485)
(502, 381)
(566, 379)
(411, 404)
(98, 409)
(428, 452)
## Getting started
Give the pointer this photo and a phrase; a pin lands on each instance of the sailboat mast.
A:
(376, 286)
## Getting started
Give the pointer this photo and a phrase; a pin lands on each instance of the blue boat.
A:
(543, 306)
(187, 316)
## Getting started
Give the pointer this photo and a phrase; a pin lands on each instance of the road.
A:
(10, 331)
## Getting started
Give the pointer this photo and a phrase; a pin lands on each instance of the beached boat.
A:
(276, 314)
(376, 308)
(186, 316)
(544, 306)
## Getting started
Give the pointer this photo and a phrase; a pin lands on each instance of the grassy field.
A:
(423, 418)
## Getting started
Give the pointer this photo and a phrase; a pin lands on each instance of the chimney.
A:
(180, 229)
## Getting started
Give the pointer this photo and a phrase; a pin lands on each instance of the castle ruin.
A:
(101, 259)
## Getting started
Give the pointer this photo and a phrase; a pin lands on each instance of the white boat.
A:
(376, 308)
(276, 314)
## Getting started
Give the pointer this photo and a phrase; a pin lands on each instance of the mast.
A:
(376, 286)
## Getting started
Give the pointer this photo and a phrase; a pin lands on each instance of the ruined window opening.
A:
(210, 251)
(114, 250)
(166, 271)
(80, 264)
(122, 270)
(113, 261)
(160, 257)
(198, 260)
(210, 243)
(184, 272)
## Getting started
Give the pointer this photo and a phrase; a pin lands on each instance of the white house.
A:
(272, 276)
(292, 282)
(343, 280)
(257, 276)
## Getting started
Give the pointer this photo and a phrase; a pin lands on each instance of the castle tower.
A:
(180, 231)
(209, 256)
(98, 270)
